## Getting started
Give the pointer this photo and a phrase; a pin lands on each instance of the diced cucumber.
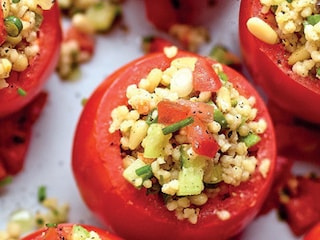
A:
(191, 174)
(130, 173)
(155, 141)
(79, 233)
(102, 15)
(213, 174)
(190, 181)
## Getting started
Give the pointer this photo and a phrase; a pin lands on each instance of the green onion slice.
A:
(313, 19)
(145, 172)
(13, 26)
(22, 92)
(251, 139)
(178, 125)
(42, 193)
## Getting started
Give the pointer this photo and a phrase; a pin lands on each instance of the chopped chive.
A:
(152, 117)
(313, 19)
(219, 117)
(176, 126)
(42, 193)
(51, 225)
(145, 172)
(318, 72)
(22, 92)
(223, 76)
(84, 101)
(15, 1)
(289, 1)
(251, 139)
(13, 26)
(5, 181)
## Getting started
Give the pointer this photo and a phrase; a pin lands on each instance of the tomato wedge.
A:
(35, 76)
(64, 231)
(97, 167)
(15, 135)
(269, 68)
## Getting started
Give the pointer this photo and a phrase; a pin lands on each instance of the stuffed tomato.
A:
(174, 145)
(70, 231)
(30, 46)
(279, 42)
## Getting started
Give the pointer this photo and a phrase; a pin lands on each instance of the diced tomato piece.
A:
(303, 209)
(85, 41)
(204, 77)
(155, 44)
(201, 140)
(171, 112)
(201, 110)
(15, 135)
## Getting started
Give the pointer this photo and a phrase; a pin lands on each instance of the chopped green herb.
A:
(178, 125)
(152, 117)
(22, 92)
(145, 172)
(15, 1)
(5, 181)
(313, 19)
(223, 76)
(289, 1)
(42, 193)
(13, 26)
(51, 225)
(219, 117)
(251, 139)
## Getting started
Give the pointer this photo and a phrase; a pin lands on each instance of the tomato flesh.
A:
(269, 69)
(64, 230)
(97, 167)
(205, 78)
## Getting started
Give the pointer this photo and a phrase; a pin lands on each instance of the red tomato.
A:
(163, 14)
(97, 167)
(62, 231)
(202, 142)
(302, 210)
(314, 233)
(15, 135)
(269, 68)
(204, 79)
(155, 44)
(3, 32)
(34, 77)
(86, 41)
(166, 108)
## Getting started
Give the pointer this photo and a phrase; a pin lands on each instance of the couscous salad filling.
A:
(185, 131)
(297, 26)
(21, 22)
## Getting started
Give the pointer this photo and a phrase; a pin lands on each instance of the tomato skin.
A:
(35, 76)
(63, 229)
(97, 168)
(313, 234)
(165, 13)
(15, 135)
(269, 69)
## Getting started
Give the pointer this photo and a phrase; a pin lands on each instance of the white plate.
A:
(48, 160)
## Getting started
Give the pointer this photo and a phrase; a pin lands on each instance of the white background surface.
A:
(49, 156)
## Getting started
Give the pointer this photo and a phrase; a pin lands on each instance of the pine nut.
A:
(262, 30)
